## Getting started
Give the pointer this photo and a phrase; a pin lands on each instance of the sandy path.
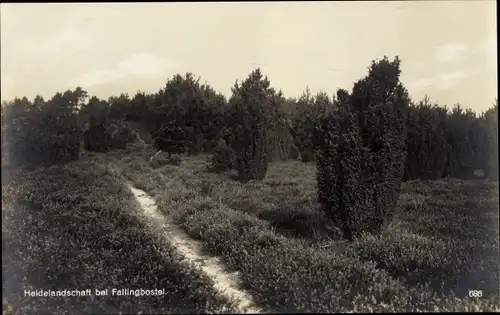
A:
(226, 283)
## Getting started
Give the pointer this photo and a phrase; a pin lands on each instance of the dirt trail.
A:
(226, 283)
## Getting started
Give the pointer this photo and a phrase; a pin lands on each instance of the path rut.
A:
(225, 283)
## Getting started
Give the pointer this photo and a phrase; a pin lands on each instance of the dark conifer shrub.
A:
(464, 138)
(252, 109)
(489, 157)
(171, 138)
(361, 152)
(223, 158)
(97, 137)
(426, 142)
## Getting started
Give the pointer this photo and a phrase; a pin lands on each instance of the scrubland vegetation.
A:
(364, 201)
(77, 227)
(273, 232)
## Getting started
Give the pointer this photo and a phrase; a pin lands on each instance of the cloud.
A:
(69, 37)
(97, 77)
(135, 66)
(144, 64)
(450, 52)
(445, 57)
(450, 79)
(418, 66)
(421, 83)
(72, 31)
(443, 81)
(66, 38)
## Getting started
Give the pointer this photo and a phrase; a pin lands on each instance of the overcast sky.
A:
(448, 48)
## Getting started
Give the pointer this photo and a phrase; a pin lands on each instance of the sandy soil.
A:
(225, 282)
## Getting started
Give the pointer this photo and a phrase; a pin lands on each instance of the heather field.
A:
(75, 227)
(442, 242)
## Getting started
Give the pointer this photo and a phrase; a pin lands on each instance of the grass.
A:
(76, 226)
(442, 242)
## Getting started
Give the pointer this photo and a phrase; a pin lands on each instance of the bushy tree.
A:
(194, 106)
(59, 135)
(171, 138)
(280, 139)
(342, 98)
(289, 107)
(103, 133)
(138, 107)
(213, 117)
(252, 108)
(281, 144)
(362, 150)
(96, 108)
(489, 155)
(223, 158)
(339, 175)
(464, 138)
(97, 138)
(309, 110)
(427, 147)
(19, 131)
(44, 133)
(302, 126)
(120, 107)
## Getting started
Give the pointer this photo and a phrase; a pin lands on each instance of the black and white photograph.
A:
(249, 157)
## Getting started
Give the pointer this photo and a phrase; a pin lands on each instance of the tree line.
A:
(187, 116)
(364, 142)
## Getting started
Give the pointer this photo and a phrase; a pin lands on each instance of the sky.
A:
(448, 48)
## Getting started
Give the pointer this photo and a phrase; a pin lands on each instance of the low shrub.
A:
(78, 227)
(223, 158)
